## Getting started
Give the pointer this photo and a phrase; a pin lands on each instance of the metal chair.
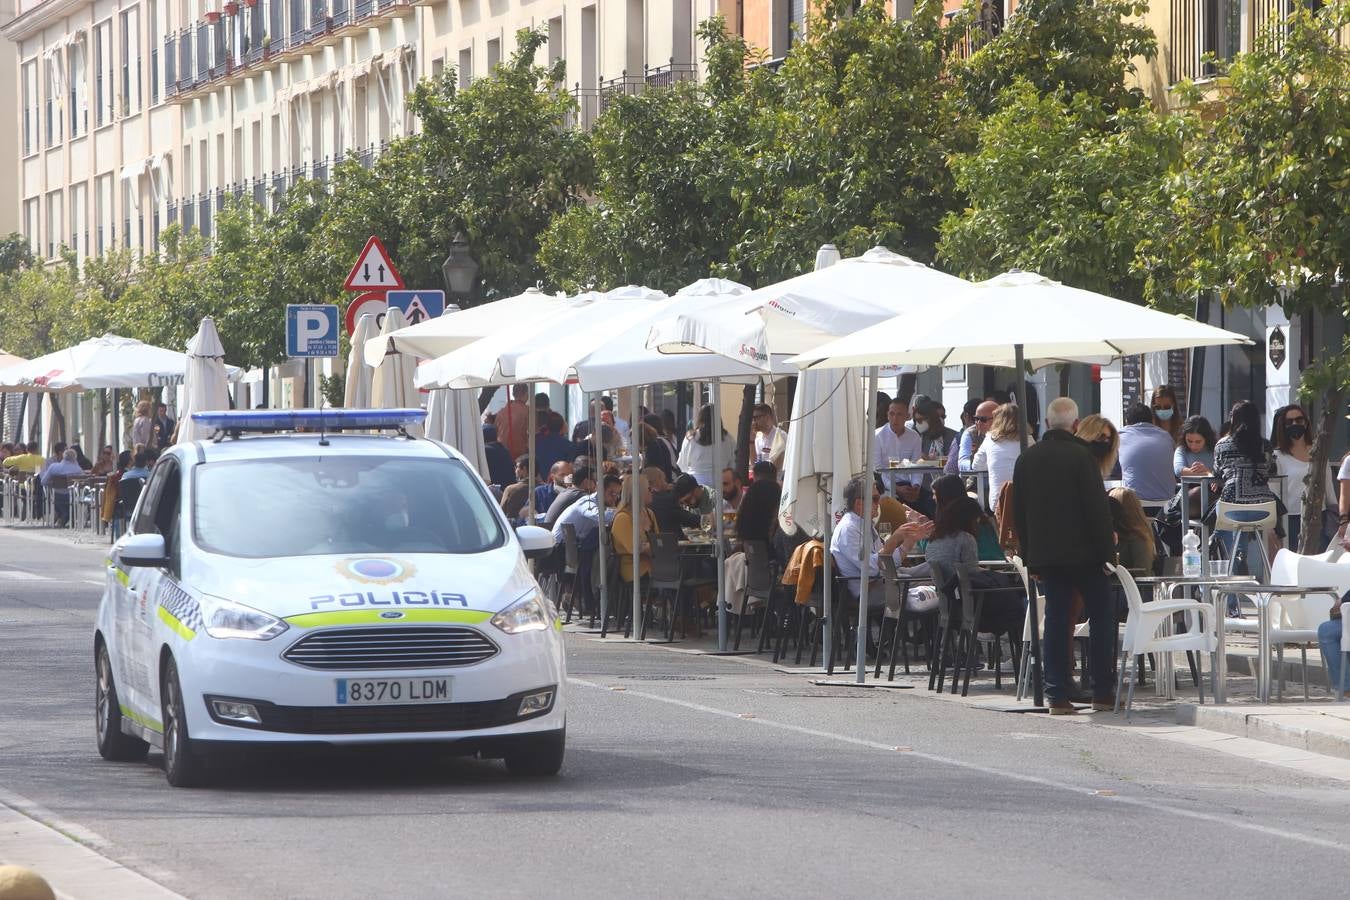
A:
(665, 580)
(1247, 518)
(758, 586)
(571, 566)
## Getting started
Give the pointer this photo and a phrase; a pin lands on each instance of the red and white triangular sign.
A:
(373, 270)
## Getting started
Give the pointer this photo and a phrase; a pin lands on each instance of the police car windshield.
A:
(307, 506)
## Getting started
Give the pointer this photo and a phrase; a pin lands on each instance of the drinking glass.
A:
(1218, 567)
(893, 462)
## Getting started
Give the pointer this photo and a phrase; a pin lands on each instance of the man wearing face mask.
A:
(852, 534)
(931, 426)
(1146, 456)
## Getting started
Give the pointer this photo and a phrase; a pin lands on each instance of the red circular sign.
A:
(372, 302)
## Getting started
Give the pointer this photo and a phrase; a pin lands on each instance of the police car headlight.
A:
(227, 619)
(526, 614)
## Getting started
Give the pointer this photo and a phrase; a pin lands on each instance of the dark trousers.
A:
(1058, 586)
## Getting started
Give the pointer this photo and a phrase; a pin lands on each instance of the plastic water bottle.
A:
(1190, 555)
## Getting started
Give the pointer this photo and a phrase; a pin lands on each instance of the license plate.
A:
(387, 691)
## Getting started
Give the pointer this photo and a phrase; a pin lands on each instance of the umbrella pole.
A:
(826, 634)
(533, 427)
(860, 659)
(717, 515)
(1038, 686)
(637, 512)
(600, 506)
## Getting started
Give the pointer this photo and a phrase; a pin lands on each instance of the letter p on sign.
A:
(311, 330)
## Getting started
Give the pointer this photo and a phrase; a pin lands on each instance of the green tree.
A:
(852, 148)
(1063, 47)
(1059, 186)
(15, 253)
(663, 213)
(1259, 211)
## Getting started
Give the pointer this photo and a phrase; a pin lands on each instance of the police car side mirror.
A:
(535, 541)
(145, 550)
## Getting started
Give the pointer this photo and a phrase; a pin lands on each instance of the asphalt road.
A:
(686, 776)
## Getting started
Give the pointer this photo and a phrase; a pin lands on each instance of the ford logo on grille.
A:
(391, 614)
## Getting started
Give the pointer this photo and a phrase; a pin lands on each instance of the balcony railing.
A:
(669, 74)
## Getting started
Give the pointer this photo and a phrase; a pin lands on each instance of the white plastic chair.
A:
(1251, 518)
(1142, 631)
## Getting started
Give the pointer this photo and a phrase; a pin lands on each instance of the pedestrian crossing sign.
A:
(418, 306)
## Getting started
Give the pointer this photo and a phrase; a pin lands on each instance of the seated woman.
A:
(622, 530)
(950, 488)
(954, 547)
(1134, 536)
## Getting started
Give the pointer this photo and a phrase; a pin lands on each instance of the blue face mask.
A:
(1163, 414)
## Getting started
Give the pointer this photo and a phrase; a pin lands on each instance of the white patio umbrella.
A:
(796, 314)
(437, 337)
(9, 359)
(391, 387)
(109, 361)
(453, 419)
(1011, 318)
(356, 387)
(206, 386)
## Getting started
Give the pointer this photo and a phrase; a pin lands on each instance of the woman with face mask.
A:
(1164, 405)
(1292, 439)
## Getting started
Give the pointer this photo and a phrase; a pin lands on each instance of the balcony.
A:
(670, 74)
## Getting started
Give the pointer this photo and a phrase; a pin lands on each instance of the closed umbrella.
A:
(391, 387)
(356, 389)
(206, 385)
(453, 419)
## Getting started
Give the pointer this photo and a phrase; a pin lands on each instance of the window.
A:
(103, 75)
(103, 214)
(79, 220)
(153, 12)
(30, 226)
(437, 67)
(128, 204)
(30, 107)
(76, 89)
(54, 229)
(494, 53)
(341, 504)
(465, 67)
(1222, 29)
(52, 124)
(130, 81)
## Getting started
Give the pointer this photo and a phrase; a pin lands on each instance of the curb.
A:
(1323, 729)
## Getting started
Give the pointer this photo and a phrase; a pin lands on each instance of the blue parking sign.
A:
(311, 330)
(417, 306)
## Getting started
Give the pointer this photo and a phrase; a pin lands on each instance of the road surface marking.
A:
(17, 575)
(1309, 839)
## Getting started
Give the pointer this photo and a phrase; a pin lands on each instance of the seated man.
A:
(670, 515)
(852, 535)
(693, 495)
(56, 481)
(733, 489)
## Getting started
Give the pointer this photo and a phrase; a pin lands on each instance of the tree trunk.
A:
(744, 437)
(1314, 490)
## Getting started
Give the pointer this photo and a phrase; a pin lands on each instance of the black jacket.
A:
(670, 515)
(1060, 509)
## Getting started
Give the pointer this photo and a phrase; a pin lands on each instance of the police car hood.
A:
(293, 586)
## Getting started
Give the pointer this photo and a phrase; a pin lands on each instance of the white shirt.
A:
(1344, 473)
(889, 445)
(846, 546)
(697, 460)
(771, 447)
(584, 516)
(1295, 470)
(997, 458)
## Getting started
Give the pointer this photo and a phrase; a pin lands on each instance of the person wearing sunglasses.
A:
(1291, 436)
(972, 437)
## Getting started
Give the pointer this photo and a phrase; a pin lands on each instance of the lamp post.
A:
(460, 270)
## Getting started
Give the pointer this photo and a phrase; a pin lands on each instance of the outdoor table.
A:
(936, 468)
(1261, 594)
(1165, 585)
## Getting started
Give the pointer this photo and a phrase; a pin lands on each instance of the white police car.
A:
(332, 588)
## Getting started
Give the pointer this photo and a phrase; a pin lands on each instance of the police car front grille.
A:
(391, 647)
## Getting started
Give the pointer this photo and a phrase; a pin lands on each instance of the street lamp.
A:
(460, 269)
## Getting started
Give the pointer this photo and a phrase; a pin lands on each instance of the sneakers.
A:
(1062, 708)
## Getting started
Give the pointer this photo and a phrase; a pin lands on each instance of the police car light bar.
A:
(308, 419)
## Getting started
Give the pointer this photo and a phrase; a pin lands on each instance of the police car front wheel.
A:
(113, 744)
(183, 765)
(537, 756)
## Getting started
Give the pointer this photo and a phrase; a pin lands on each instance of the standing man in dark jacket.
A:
(1063, 524)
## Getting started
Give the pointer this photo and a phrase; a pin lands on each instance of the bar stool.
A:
(1248, 518)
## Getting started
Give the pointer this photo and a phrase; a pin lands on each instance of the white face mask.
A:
(921, 427)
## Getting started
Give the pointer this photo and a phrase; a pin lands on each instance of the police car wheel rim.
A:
(172, 724)
(103, 698)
